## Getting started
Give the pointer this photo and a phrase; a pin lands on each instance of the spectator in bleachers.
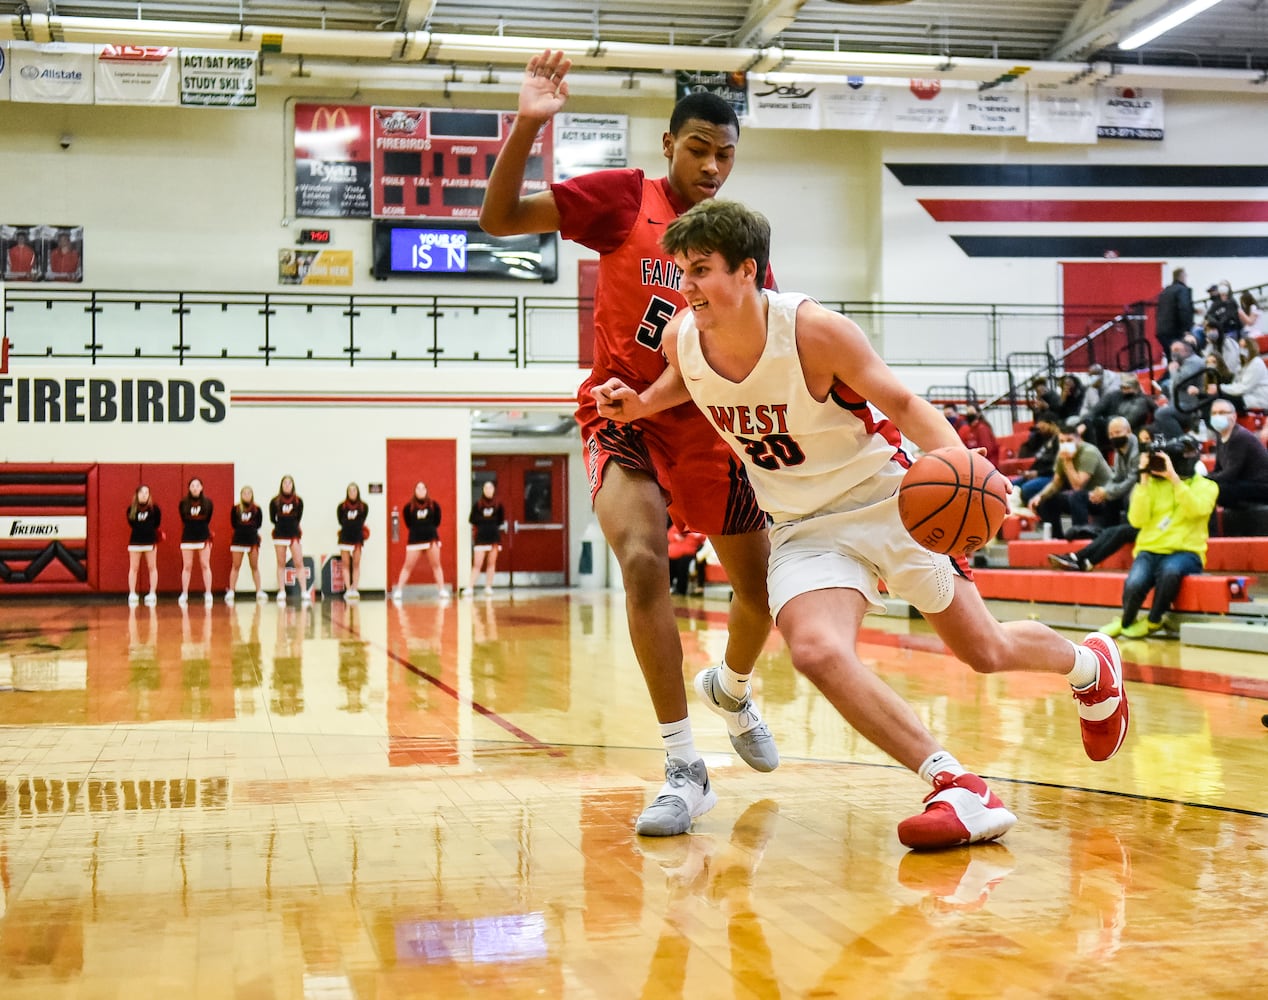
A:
(1248, 389)
(1222, 309)
(1040, 445)
(1113, 498)
(1241, 460)
(1222, 351)
(1042, 397)
(1186, 377)
(1171, 506)
(1128, 402)
(1248, 313)
(952, 413)
(1099, 383)
(1080, 468)
(975, 432)
(1175, 312)
(1071, 402)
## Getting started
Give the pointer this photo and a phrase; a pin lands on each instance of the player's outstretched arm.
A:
(833, 348)
(504, 212)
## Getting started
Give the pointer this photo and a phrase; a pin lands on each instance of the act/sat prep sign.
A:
(217, 79)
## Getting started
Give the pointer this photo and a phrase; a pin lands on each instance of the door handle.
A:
(525, 526)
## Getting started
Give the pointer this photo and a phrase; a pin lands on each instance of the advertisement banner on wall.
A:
(332, 160)
(998, 111)
(584, 143)
(434, 163)
(217, 78)
(1129, 113)
(1061, 114)
(783, 105)
(137, 74)
(859, 104)
(731, 87)
(4, 71)
(314, 267)
(930, 106)
(57, 73)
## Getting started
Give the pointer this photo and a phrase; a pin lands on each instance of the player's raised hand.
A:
(616, 400)
(544, 89)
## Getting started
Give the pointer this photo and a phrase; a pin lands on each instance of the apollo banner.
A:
(57, 73)
(138, 74)
(332, 160)
(1061, 114)
(1129, 113)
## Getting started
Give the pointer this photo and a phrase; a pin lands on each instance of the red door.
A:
(534, 493)
(1094, 293)
(434, 463)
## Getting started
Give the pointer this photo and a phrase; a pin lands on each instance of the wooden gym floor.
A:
(437, 801)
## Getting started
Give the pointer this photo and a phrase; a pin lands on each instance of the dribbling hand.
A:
(544, 90)
(616, 400)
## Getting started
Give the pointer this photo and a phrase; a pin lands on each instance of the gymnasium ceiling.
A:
(1232, 36)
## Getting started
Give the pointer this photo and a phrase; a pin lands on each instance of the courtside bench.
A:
(1205, 593)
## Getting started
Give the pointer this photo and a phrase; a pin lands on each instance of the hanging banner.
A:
(332, 160)
(4, 71)
(783, 105)
(731, 87)
(930, 106)
(314, 267)
(1061, 114)
(435, 163)
(1129, 113)
(998, 111)
(217, 78)
(58, 73)
(584, 143)
(137, 74)
(859, 104)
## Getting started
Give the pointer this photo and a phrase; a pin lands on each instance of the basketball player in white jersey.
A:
(790, 387)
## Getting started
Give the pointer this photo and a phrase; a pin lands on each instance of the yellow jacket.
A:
(1172, 517)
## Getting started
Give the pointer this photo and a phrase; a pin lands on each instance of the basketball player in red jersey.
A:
(633, 468)
(789, 385)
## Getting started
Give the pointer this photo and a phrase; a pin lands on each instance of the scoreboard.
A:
(435, 163)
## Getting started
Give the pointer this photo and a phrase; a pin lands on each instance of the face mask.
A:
(970, 417)
(1221, 422)
(1068, 448)
(1118, 442)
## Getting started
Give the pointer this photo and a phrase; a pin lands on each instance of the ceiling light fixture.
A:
(1165, 23)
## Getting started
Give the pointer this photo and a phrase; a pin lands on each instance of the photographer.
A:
(1171, 505)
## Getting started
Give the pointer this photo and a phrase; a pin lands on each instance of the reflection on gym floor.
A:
(437, 799)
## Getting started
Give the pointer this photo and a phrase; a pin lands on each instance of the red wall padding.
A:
(435, 463)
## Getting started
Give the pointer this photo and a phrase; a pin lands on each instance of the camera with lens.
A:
(1183, 452)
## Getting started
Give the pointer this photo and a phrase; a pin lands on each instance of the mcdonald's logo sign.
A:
(327, 118)
(332, 131)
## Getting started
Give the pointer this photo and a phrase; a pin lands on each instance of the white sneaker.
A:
(133, 600)
(750, 736)
(397, 595)
(306, 597)
(444, 593)
(281, 596)
(261, 596)
(230, 597)
(685, 795)
(183, 600)
(488, 591)
(351, 594)
(209, 598)
(151, 599)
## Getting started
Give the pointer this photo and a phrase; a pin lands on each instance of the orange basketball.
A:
(952, 501)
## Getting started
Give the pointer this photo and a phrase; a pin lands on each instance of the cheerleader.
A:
(246, 519)
(195, 513)
(487, 517)
(422, 521)
(352, 533)
(286, 510)
(144, 518)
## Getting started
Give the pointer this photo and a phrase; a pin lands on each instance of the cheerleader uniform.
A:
(195, 514)
(487, 516)
(286, 511)
(246, 528)
(351, 524)
(422, 521)
(145, 527)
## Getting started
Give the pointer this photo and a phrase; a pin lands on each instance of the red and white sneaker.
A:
(959, 810)
(1103, 705)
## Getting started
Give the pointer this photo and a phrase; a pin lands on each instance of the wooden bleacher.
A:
(1205, 594)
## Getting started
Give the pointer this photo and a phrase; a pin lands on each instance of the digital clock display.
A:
(314, 235)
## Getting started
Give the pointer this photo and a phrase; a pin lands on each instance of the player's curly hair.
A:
(724, 227)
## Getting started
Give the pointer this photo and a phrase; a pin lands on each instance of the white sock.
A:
(1087, 668)
(735, 685)
(939, 763)
(678, 741)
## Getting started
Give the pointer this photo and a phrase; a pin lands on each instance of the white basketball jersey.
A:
(802, 456)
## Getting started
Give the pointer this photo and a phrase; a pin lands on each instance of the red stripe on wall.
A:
(991, 210)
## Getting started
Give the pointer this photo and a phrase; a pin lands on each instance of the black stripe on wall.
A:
(1075, 175)
(1153, 247)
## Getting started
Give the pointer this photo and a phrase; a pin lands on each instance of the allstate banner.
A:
(138, 74)
(1061, 114)
(332, 160)
(1129, 113)
(860, 104)
(57, 73)
(783, 105)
